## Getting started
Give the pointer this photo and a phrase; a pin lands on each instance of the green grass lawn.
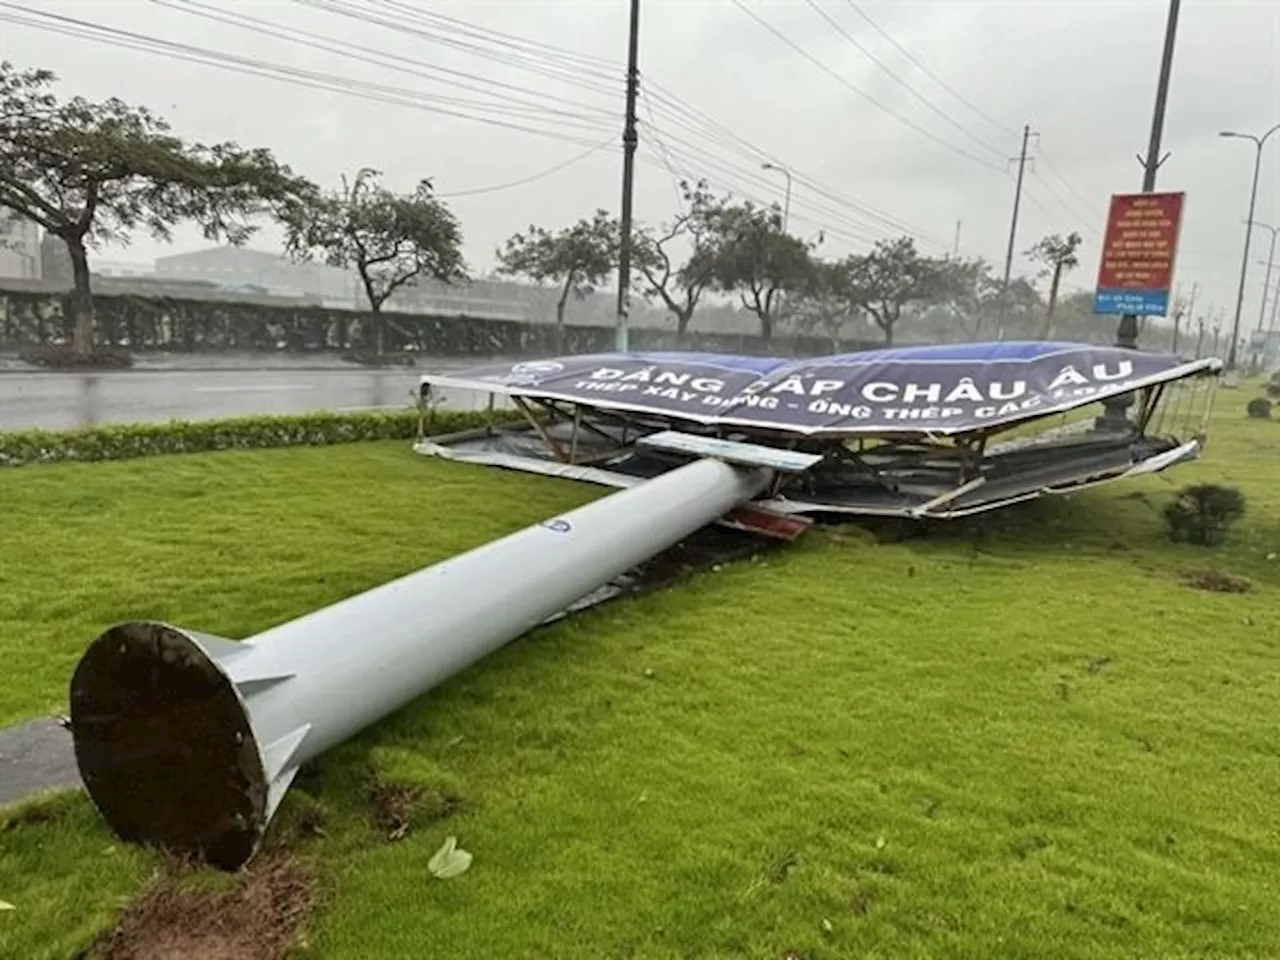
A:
(1025, 738)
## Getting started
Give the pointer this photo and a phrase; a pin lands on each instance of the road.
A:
(55, 401)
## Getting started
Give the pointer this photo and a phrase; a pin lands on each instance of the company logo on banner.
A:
(1138, 252)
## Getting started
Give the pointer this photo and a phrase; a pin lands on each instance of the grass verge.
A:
(1025, 737)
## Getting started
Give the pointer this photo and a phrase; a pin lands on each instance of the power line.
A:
(398, 96)
(81, 29)
(699, 124)
(1003, 128)
(838, 28)
(734, 176)
(507, 39)
(665, 99)
(855, 90)
(345, 48)
(531, 178)
(588, 79)
(1052, 168)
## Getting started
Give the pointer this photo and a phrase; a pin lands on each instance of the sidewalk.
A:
(34, 757)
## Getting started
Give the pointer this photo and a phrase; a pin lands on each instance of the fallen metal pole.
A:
(188, 742)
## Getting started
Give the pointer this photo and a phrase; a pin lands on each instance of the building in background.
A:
(19, 247)
(242, 268)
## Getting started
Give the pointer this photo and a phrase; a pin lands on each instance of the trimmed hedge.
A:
(121, 442)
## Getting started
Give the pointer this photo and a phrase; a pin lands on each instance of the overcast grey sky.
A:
(722, 91)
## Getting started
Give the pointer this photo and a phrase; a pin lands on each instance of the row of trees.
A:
(94, 172)
(719, 245)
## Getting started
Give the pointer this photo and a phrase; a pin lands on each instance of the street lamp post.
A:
(1259, 143)
(786, 207)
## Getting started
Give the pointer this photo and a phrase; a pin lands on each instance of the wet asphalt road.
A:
(56, 401)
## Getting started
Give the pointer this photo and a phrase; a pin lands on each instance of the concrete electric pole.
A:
(1021, 160)
(629, 140)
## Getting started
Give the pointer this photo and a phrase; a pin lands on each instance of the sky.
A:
(892, 118)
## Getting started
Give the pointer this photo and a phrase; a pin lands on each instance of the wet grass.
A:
(1029, 737)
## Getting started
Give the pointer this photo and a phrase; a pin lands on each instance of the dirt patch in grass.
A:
(393, 808)
(1216, 581)
(258, 916)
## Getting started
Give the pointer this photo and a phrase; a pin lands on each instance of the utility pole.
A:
(1115, 409)
(1266, 283)
(629, 140)
(1188, 310)
(1275, 310)
(955, 250)
(1021, 160)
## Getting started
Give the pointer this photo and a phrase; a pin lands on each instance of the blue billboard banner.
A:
(948, 389)
(1138, 303)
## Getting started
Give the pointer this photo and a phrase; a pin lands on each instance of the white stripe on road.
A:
(276, 388)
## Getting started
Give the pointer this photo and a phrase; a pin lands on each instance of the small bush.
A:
(149, 439)
(1201, 514)
(1259, 408)
(61, 358)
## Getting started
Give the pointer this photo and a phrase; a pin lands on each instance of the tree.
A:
(823, 307)
(1058, 255)
(967, 292)
(391, 241)
(578, 258)
(91, 173)
(893, 275)
(681, 287)
(755, 258)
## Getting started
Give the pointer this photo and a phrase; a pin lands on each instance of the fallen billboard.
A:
(937, 390)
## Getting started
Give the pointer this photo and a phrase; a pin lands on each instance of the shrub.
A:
(110, 442)
(1201, 514)
(61, 358)
(1273, 387)
(1259, 408)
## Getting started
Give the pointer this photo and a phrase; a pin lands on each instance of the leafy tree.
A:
(91, 173)
(967, 291)
(1058, 255)
(893, 275)
(390, 240)
(823, 306)
(681, 287)
(755, 258)
(578, 258)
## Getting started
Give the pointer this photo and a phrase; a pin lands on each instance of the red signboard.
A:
(1138, 252)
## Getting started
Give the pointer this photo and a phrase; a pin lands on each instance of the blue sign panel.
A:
(1138, 303)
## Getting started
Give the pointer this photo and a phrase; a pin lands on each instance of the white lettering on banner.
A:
(1068, 376)
(649, 375)
(742, 400)
(931, 393)
(670, 393)
(965, 390)
(605, 386)
(1123, 369)
(797, 387)
(879, 392)
(999, 393)
(839, 409)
